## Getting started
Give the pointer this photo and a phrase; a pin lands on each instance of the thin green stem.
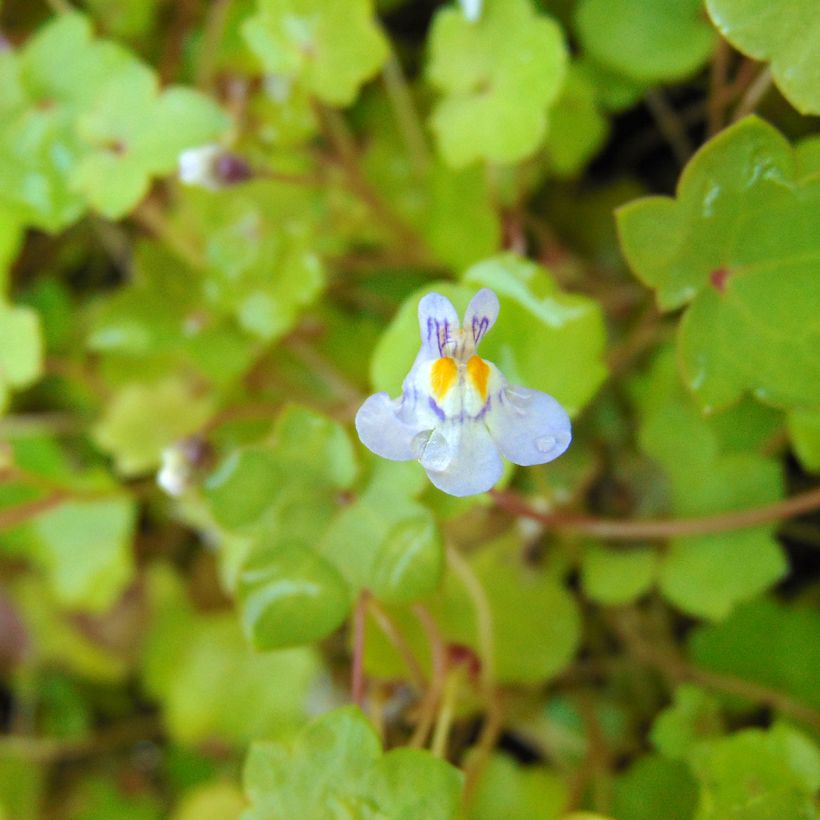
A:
(669, 124)
(438, 654)
(406, 113)
(393, 634)
(446, 713)
(754, 94)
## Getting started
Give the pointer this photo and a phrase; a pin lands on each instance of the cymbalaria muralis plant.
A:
(409, 409)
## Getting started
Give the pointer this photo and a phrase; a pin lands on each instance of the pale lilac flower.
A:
(471, 9)
(457, 413)
(212, 167)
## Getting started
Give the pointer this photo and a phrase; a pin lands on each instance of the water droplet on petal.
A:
(545, 444)
(419, 442)
(433, 450)
(519, 399)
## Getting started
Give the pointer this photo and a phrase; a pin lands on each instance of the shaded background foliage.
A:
(201, 567)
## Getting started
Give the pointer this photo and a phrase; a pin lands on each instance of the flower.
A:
(457, 413)
(212, 167)
(471, 9)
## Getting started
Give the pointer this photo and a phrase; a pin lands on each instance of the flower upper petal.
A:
(438, 324)
(529, 426)
(481, 314)
(470, 455)
(384, 430)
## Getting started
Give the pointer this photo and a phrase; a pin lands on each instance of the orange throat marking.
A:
(443, 376)
(479, 371)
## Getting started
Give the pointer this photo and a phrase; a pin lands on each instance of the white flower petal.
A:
(528, 426)
(472, 461)
(471, 9)
(383, 430)
(438, 323)
(481, 314)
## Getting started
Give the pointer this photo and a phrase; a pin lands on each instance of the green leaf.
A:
(512, 588)
(335, 767)
(506, 68)
(654, 787)
(543, 339)
(260, 248)
(514, 792)
(741, 243)
(21, 349)
(290, 481)
(210, 683)
(216, 800)
(578, 129)
(332, 46)
(141, 420)
(453, 210)
(694, 716)
(807, 154)
(125, 18)
(646, 40)
(617, 576)
(711, 469)
(765, 642)
(61, 641)
(86, 548)
(290, 595)
(11, 239)
(784, 32)
(136, 133)
(243, 487)
(758, 774)
(804, 432)
(387, 542)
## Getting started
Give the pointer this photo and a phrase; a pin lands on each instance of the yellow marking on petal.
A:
(479, 371)
(443, 375)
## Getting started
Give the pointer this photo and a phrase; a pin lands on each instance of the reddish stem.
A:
(673, 528)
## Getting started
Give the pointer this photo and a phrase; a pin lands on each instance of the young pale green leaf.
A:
(141, 420)
(784, 32)
(99, 128)
(289, 595)
(544, 339)
(768, 643)
(260, 253)
(21, 349)
(86, 549)
(804, 432)
(757, 774)
(335, 764)
(613, 576)
(134, 133)
(646, 40)
(740, 242)
(210, 683)
(331, 46)
(515, 792)
(499, 75)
